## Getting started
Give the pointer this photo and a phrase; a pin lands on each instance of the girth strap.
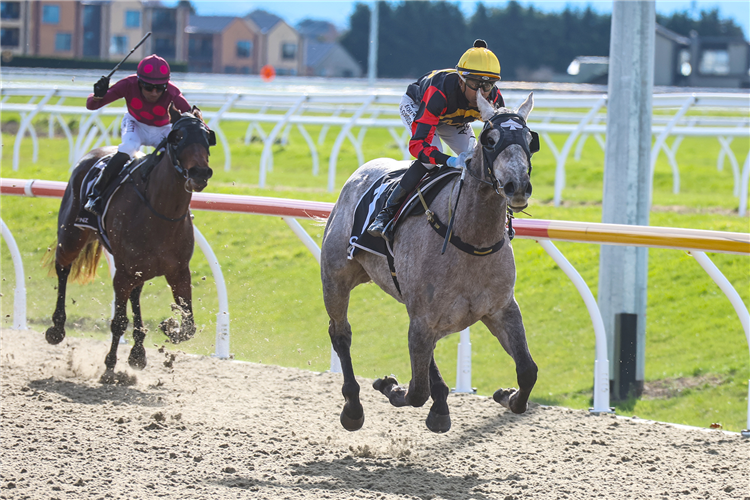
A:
(441, 229)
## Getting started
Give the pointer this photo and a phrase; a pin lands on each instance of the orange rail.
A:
(584, 232)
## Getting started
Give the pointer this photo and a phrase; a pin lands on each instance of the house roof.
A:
(208, 24)
(317, 51)
(314, 28)
(671, 35)
(264, 20)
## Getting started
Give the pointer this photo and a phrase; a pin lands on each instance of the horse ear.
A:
(174, 113)
(197, 112)
(534, 144)
(486, 110)
(525, 108)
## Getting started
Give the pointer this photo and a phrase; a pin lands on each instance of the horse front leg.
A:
(439, 419)
(119, 324)
(507, 326)
(182, 293)
(137, 358)
(56, 333)
(421, 348)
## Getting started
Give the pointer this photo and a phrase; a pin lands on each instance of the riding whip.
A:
(453, 215)
(126, 57)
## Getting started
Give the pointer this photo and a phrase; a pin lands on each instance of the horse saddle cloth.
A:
(87, 220)
(373, 200)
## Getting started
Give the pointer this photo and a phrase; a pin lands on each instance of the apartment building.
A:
(14, 27)
(222, 44)
(279, 44)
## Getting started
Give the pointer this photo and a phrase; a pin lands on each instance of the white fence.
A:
(379, 109)
(696, 242)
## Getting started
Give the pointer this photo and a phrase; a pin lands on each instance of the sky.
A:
(338, 11)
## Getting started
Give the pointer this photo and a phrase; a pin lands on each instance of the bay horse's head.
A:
(188, 146)
(505, 148)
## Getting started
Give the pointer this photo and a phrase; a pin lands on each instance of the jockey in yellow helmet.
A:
(441, 105)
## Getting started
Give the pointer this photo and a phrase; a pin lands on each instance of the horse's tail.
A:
(83, 268)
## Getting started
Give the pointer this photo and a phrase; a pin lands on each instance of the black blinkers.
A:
(190, 130)
(512, 128)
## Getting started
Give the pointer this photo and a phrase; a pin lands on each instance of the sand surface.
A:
(201, 428)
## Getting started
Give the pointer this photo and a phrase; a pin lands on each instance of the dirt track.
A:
(210, 429)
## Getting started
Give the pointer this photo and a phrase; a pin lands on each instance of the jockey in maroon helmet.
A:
(147, 94)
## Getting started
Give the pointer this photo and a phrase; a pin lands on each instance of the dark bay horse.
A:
(150, 232)
(445, 293)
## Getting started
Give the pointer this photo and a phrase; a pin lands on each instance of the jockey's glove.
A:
(101, 87)
(459, 161)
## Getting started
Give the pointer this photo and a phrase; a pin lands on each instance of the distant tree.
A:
(188, 4)
(709, 24)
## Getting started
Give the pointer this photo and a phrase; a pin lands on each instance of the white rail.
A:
(347, 110)
(694, 241)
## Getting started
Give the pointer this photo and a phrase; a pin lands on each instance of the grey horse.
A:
(444, 293)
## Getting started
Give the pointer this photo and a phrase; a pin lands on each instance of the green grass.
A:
(275, 299)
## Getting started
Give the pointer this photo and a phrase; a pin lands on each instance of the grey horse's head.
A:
(505, 147)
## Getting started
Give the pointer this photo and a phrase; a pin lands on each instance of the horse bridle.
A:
(196, 133)
(512, 131)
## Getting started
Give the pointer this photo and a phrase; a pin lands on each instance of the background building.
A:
(221, 44)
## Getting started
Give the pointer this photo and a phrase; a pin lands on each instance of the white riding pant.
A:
(459, 139)
(136, 134)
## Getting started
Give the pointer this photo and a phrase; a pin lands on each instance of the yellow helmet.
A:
(479, 62)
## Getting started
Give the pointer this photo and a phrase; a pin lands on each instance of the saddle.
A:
(87, 220)
(373, 200)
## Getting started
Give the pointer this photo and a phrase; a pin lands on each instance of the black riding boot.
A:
(408, 182)
(94, 203)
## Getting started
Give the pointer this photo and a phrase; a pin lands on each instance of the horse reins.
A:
(512, 131)
(204, 136)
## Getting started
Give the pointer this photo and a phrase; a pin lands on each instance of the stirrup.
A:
(93, 205)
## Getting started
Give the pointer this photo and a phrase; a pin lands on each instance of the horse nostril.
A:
(528, 189)
(509, 189)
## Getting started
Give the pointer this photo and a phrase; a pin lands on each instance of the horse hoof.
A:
(382, 384)
(351, 424)
(502, 396)
(54, 335)
(438, 423)
(108, 377)
(137, 358)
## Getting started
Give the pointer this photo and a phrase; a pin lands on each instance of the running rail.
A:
(696, 242)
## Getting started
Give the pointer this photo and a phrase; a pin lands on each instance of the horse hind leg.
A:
(118, 327)
(507, 326)
(56, 333)
(137, 358)
(336, 298)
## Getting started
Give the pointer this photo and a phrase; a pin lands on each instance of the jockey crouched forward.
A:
(443, 101)
(147, 95)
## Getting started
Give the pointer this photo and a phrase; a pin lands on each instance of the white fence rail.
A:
(696, 242)
(285, 110)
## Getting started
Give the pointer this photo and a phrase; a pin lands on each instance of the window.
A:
(63, 42)
(50, 14)
(132, 19)
(163, 20)
(714, 62)
(288, 50)
(244, 49)
(165, 47)
(119, 45)
(10, 10)
(200, 47)
(10, 37)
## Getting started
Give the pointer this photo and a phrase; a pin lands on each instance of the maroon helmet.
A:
(153, 69)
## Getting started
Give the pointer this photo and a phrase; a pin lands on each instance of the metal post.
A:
(623, 271)
(372, 55)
